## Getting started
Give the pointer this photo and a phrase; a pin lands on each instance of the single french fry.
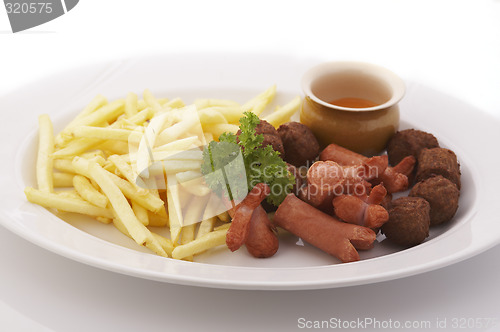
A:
(231, 113)
(194, 210)
(199, 189)
(224, 217)
(69, 194)
(66, 204)
(97, 154)
(141, 105)
(131, 104)
(151, 101)
(169, 149)
(174, 208)
(284, 113)
(165, 243)
(104, 220)
(137, 119)
(87, 191)
(187, 236)
(210, 240)
(176, 166)
(215, 206)
(158, 219)
(107, 133)
(115, 147)
(188, 176)
(107, 113)
(187, 155)
(141, 213)
(96, 103)
(259, 107)
(219, 129)
(64, 165)
(223, 226)
(63, 180)
(154, 244)
(257, 104)
(178, 145)
(210, 116)
(44, 162)
(190, 120)
(193, 182)
(76, 147)
(206, 226)
(110, 167)
(174, 103)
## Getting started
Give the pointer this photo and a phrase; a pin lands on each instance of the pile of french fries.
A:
(135, 163)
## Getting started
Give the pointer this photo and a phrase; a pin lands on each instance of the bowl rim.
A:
(329, 68)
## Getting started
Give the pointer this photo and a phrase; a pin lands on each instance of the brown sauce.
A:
(352, 102)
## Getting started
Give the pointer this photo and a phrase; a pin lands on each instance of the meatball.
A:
(442, 195)
(301, 146)
(409, 221)
(409, 142)
(271, 136)
(438, 161)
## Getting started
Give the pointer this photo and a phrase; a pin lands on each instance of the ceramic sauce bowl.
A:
(353, 104)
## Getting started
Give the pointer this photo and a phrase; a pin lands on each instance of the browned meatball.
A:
(438, 161)
(442, 195)
(409, 220)
(409, 142)
(271, 136)
(301, 146)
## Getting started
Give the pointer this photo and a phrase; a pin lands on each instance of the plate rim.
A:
(219, 283)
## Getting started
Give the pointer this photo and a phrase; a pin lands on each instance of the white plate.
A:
(468, 131)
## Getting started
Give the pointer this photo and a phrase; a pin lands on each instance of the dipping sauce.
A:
(353, 102)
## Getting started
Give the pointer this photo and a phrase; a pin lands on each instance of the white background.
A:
(452, 46)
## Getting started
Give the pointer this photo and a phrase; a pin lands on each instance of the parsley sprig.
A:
(235, 164)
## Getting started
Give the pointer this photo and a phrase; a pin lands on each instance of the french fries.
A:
(207, 241)
(131, 104)
(85, 189)
(65, 203)
(62, 180)
(136, 164)
(44, 161)
(284, 114)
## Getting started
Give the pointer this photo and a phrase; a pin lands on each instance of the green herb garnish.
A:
(234, 165)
